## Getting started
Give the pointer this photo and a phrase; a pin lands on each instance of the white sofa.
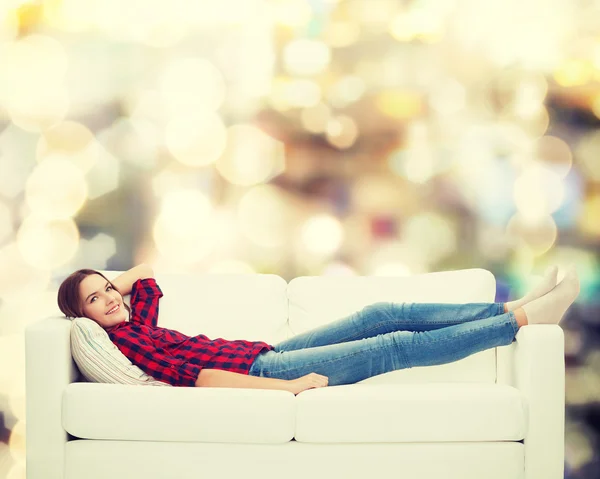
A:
(497, 414)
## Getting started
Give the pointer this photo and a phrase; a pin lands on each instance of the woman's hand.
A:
(312, 380)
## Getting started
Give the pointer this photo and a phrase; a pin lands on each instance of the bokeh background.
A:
(300, 137)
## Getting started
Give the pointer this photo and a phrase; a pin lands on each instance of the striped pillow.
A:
(100, 361)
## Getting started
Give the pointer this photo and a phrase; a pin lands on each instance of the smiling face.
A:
(101, 302)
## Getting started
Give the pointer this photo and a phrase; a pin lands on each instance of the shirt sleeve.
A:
(145, 294)
(162, 367)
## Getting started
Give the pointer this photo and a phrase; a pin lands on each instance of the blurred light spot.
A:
(342, 131)
(191, 84)
(415, 23)
(103, 177)
(338, 269)
(588, 220)
(574, 72)
(6, 222)
(492, 241)
(538, 192)
(322, 234)
(251, 156)
(183, 230)
(71, 140)
(586, 153)
(231, 267)
(341, 34)
(18, 471)
(176, 176)
(529, 95)
(16, 442)
(415, 164)
(315, 119)
(56, 189)
(19, 280)
(596, 104)
(306, 57)
(265, 217)
(447, 96)
(535, 125)
(196, 139)
(27, 306)
(290, 13)
(346, 91)
(391, 269)
(47, 244)
(31, 86)
(538, 234)
(394, 258)
(303, 93)
(399, 104)
(430, 233)
(9, 24)
(12, 351)
(555, 154)
(382, 193)
(135, 140)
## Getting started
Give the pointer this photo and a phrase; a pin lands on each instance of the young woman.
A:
(379, 338)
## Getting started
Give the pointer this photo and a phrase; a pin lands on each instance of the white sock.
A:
(550, 308)
(545, 285)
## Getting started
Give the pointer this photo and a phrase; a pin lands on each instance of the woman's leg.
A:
(384, 317)
(353, 361)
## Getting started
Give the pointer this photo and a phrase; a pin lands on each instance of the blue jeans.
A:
(384, 337)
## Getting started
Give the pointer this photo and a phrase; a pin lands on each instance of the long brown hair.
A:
(69, 301)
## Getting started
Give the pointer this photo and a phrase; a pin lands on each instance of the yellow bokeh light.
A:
(56, 188)
(69, 139)
(316, 118)
(596, 104)
(538, 191)
(19, 280)
(588, 219)
(183, 231)
(538, 235)
(394, 258)
(251, 156)
(265, 216)
(574, 72)
(191, 84)
(47, 244)
(231, 267)
(322, 234)
(31, 86)
(554, 153)
(196, 139)
(340, 34)
(290, 13)
(586, 152)
(6, 227)
(342, 131)
(399, 104)
(432, 234)
(306, 57)
(16, 442)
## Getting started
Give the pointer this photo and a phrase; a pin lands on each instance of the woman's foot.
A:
(547, 283)
(550, 308)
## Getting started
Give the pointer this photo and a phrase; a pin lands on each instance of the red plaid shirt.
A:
(168, 355)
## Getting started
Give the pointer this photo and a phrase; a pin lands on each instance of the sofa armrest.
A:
(539, 373)
(49, 368)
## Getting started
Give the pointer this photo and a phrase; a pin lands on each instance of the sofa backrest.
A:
(264, 307)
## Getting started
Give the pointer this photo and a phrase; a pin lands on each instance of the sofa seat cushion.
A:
(136, 413)
(430, 412)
